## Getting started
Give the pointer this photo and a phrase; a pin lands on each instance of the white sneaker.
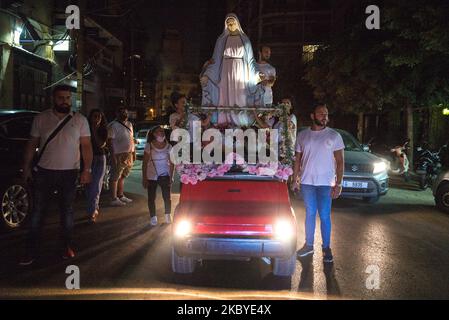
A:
(125, 199)
(117, 203)
(167, 218)
(154, 221)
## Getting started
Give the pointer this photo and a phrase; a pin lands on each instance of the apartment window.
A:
(308, 52)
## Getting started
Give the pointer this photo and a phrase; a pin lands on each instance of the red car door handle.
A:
(233, 190)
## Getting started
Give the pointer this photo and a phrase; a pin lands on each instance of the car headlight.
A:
(182, 228)
(379, 167)
(284, 230)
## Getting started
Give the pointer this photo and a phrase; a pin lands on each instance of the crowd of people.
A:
(72, 150)
(73, 147)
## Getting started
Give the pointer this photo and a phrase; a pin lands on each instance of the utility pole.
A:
(80, 59)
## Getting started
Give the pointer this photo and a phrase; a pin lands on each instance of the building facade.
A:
(37, 52)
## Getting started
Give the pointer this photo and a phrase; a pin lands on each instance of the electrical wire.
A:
(113, 6)
(112, 15)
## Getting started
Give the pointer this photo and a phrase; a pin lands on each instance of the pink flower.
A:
(266, 172)
(184, 179)
(212, 173)
(252, 169)
(193, 179)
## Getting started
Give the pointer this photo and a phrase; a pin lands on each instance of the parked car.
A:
(15, 195)
(237, 216)
(365, 175)
(141, 140)
(441, 191)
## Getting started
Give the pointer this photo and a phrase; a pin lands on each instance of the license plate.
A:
(355, 184)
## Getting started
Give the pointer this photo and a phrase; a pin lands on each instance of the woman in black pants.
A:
(157, 170)
(99, 135)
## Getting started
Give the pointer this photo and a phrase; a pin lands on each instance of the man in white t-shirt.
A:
(123, 155)
(269, 71)
(57, 167)
(320, 165)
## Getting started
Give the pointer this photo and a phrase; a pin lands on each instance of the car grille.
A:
(362, 168)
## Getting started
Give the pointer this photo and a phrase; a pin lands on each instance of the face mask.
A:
(160, 138)
(63, 108)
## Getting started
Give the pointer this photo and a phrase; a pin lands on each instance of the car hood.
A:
(361, 157)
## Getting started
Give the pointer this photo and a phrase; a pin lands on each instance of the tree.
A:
(401, 66)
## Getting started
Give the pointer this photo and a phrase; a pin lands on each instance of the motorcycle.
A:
(428, 166)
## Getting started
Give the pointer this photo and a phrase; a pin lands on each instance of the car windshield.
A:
(351, 143)
(142, 134)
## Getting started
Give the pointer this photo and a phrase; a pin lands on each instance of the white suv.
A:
(441, 191)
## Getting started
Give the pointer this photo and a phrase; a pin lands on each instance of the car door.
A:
(14, 134)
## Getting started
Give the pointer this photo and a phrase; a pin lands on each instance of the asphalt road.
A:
(402, 241)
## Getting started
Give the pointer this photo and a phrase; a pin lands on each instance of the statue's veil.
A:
(213, 71)
(234, 16)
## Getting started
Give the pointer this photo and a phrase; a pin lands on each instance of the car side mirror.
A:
(366, 148)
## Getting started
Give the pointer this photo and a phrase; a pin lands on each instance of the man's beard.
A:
(319, 123)
(62, 108)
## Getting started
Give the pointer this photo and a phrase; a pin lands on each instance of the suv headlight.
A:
(379, 167)
(284, 230)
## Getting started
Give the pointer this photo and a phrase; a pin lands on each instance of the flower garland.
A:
(193, 173)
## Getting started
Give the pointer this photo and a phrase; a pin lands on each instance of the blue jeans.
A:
(317, 198)
(45, 182)
(93, 189)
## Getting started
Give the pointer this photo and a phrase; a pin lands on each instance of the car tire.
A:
(442, 198)
(371, 200)
(284, 267)
(15, 204)
(182, 265)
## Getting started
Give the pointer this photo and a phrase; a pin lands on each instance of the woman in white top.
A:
(157, 170)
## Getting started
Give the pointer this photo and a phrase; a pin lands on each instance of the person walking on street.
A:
(99, 136)
(123, 155)
(58, 133)
(320, 165)
(157, 169)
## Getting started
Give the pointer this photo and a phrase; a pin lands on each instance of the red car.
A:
(237, 216)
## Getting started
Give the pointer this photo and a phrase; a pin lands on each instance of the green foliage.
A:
(407, 61)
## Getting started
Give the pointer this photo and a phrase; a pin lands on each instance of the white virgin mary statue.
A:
(231, 77)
